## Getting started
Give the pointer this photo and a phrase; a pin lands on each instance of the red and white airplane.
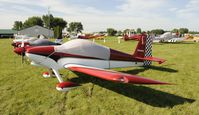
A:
(93, 59)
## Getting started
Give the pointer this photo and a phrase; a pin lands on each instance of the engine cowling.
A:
(66, 86)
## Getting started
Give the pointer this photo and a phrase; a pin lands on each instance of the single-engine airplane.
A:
(168, 37)
(93, 59)
(90, 36)
(41, 40)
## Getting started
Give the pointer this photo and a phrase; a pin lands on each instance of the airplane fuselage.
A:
(60, 63)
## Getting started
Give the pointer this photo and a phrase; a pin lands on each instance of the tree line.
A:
(56, 24)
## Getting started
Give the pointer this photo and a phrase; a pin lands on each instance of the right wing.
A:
(112, 75)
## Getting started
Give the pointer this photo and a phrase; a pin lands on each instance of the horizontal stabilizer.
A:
(112, 75)
(160, 61)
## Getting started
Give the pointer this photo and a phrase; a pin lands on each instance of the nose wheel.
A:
(48, 74)
(66, 86)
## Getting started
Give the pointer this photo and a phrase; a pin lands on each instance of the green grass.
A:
(24, 90)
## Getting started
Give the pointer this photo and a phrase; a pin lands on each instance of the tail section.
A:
(140, 49)
(143, 50)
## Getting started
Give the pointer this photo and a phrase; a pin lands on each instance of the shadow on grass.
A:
(143, 94)
(164, 43)
(165, 69)
(136, 71)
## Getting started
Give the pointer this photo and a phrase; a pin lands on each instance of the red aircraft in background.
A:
(132, 37)
(93, 59)
(91, 36)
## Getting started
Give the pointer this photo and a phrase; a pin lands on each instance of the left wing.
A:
(112, 75)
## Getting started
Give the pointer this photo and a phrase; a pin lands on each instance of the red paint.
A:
(18, 44)
(89, 36)
(121, 56)
(133, 37)
(46, 73)
(20, 50)
(115, 76)
(41, 50)
(140, 49)
(67, 84)
(160, 61)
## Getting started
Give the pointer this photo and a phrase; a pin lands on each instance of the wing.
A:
(112, 75)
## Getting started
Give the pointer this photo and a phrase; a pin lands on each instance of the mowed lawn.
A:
(23, 90)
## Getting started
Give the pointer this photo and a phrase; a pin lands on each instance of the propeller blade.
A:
(23, 54)
(22, 43)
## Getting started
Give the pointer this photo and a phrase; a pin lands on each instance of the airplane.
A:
(41, 40)
(130, 37)
(27, 39)
(93, 59)
(168, 37)
(87, 36)
(90, 36)
(192, 37)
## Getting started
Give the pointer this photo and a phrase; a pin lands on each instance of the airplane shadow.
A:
(140, 93)
(173, 43)
(161, 68)
(136, 71)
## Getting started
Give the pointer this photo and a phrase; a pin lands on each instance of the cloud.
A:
(141, 5)
(190, 10)
(147, 14)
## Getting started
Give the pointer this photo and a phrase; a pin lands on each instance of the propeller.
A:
(23, 50)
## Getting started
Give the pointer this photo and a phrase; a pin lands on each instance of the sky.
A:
(98, 15)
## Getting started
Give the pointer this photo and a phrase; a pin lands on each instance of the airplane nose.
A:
(45, 51)
(18, 50)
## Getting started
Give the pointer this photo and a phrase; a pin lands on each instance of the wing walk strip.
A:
(112, 75)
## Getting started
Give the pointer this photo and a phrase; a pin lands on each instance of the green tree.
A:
(175, 30)
(119, 33)
(158, 31)
(126, 30)
(57, 32)
(111, 31)
(183, 30)
(139, 31)
(75, 27)
(59, 22)
(18, 25)
(32, 21)
(193, 32)
(48, 21)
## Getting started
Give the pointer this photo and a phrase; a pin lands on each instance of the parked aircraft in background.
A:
(192, 37)
(87, 36)
(168, 37)
(41, 40)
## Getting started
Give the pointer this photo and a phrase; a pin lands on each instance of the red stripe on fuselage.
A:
(121, 56)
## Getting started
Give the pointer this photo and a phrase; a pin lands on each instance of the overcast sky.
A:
(97, 15)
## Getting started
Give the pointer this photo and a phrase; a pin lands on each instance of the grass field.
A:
(23, 90)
